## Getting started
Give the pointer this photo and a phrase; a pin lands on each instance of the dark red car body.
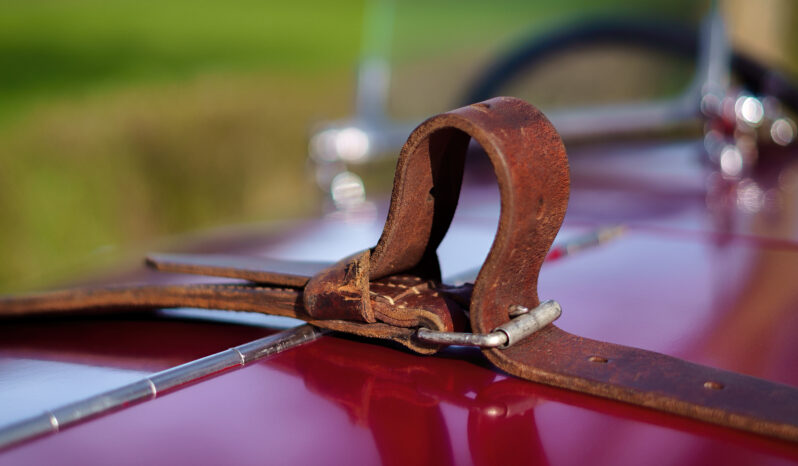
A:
(706, 271)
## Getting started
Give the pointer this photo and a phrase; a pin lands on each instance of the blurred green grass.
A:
(121, 168)
(128, 120)
(51, 47)
(123, 121)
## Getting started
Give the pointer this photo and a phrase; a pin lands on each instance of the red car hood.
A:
(704, 271)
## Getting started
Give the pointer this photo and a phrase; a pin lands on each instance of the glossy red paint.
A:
(133, 342)
(707, 279)
(337, 401)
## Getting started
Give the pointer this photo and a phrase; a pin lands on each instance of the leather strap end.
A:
(341, 291)
(251, 268)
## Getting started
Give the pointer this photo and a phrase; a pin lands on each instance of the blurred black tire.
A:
(666, 37)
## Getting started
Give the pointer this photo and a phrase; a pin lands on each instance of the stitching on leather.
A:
(393, 300)
(391, 284)
(387, 298)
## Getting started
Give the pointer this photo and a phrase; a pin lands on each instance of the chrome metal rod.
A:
(52, 421)
(526, 323)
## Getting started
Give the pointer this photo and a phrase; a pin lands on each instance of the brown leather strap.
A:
(391, 290)
(532, 170)
(531, 167)
(274, 300)
(347, 297)
(555, 357)
(398, 304)
(255, 269)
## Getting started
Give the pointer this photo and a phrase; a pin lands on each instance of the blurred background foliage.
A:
(122, 121)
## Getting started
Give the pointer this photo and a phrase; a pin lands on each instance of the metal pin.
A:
(502, 336)
(530, 322)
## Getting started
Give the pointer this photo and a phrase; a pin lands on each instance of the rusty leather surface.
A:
(391, 290)
(267, 299)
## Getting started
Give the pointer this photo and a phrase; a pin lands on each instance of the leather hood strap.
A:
(531, 167)
(393, 289)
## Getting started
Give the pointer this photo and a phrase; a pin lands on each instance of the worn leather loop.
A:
(532, 169)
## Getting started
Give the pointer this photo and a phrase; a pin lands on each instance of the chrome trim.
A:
(52, 421)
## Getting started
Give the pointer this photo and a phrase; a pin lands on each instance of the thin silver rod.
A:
(150, 387)
(505, 335)
(480, 340)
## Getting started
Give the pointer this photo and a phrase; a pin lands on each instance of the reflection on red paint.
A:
(692, 277)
